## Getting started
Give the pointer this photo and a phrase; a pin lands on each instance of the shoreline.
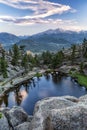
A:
(17, 81)
(23, 78)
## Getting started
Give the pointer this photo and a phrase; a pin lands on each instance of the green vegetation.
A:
(84, 48)
(52, 60)
(15, 54)
(57, 59)
(3, 65)
(38, 75)
(46, 57)
(81, 67)
(49, 71)
(0, 115)
(74, 58)
(81, 78)
(24, 62)
(73, 53)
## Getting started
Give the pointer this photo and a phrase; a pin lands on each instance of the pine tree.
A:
(57, 59)
(84, 48)
(47, 57)
(81, 67)
(73, 53)
(3, 65)
(24, 62)
(16, 54)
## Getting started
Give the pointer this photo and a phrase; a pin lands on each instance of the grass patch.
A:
(0, 115)
(38, 75)
(49, 71)
(81, 78)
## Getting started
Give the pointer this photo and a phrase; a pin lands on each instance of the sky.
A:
(28, 17)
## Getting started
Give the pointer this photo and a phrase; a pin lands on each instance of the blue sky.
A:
(27, 17)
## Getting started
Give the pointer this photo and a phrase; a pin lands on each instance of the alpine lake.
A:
(27, 94)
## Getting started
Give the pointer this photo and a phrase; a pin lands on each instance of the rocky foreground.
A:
(55, 113)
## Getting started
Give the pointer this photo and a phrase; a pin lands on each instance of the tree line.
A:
(19, 57)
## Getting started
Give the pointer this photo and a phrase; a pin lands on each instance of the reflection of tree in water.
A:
(26, 86)
(47, 76)
(38, 78)
(33, 82)
(6, 99)
(1, 101)
(18, 97)
(56, 78)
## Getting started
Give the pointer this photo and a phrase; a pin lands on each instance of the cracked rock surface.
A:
(54, 113)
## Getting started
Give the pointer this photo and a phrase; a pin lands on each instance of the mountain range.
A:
(52, 40)
(8, 39)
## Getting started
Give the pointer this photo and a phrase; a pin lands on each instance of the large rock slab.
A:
(72, 118)
(3, 122)
(16, 116)
(24, 126)
(43, 109)
(54, 113)
(60, 113)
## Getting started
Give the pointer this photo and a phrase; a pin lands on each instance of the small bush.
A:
(72, 69)
(0, 115)
(38, 74)
(49, 71)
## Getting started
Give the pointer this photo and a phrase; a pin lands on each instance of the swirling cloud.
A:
(38, 12)
(29, 21)
(39, 8)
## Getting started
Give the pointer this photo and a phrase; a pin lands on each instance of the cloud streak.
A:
(39, 13)
(24, 21)
(59, 23)
(39, 8)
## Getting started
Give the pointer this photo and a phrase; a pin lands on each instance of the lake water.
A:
(28, 94)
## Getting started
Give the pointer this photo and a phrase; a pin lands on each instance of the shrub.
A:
(0, 115)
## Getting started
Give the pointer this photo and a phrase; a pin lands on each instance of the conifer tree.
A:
(73, 53)
(3, 65)
(81, 67)
(57, 59)
(16, 54)
(24, 62)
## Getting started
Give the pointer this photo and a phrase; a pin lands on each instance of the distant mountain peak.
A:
(52, 39)
(55, 31)
(8, 38)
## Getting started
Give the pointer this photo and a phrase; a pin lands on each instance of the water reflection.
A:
(47, 76)
(56, 79)
(26, 86)
(30, 92)
(6, 100)
(24, 94)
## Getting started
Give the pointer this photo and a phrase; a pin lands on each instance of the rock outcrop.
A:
(54, 113)
(3, 122)
(14, 119)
